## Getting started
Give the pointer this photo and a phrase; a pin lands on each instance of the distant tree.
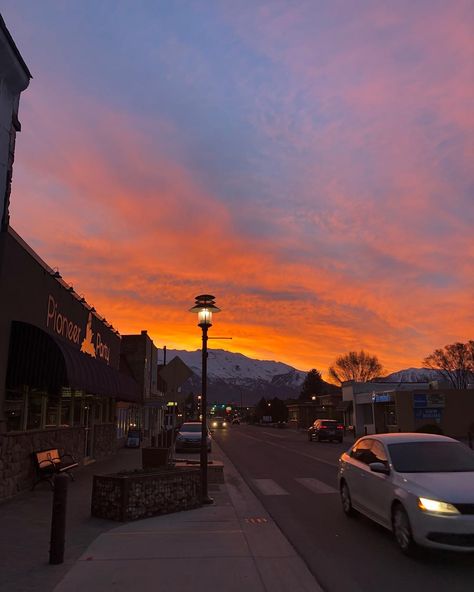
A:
(278, 410)
(359, 366)
(313, 384)
(261, 409)
(455, 362)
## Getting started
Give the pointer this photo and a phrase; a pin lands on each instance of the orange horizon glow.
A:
(310, 168)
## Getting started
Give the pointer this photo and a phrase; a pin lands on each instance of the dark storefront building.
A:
(303, 414)
(59, 360)
(59, 368)
(139, 358)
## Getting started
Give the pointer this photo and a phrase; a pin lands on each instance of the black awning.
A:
(41, 360)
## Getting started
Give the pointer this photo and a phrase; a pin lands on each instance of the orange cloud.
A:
(350, 227)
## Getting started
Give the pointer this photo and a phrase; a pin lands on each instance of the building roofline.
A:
(14, 48)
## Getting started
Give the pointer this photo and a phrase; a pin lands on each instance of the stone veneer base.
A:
(142, 494)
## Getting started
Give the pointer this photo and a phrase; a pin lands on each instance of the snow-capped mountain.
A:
(413, 375)
(235, 367)
(235, 377)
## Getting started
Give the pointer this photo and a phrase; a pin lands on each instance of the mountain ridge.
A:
(237, 378)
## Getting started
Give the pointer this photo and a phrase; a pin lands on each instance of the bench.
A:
(49, 463)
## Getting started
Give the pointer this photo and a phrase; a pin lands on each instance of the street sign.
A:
(428, 413)
(431, 400)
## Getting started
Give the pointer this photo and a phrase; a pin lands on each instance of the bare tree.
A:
(359, 366)
(455, 362)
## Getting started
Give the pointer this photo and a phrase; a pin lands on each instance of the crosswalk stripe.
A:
(269, 487)
(315, 485)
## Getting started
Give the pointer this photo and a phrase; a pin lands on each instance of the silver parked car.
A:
(420, 486)
(189, 437)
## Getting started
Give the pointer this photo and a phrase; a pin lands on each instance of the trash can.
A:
(133, 439)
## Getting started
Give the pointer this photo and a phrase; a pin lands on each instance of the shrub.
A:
(430, 428)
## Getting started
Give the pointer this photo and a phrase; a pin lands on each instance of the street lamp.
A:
(204, 306)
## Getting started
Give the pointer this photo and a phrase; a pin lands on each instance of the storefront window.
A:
(122, 422)
(98, 412)
(390, 415)
(35, 411)
(77, 409)
(52, 412)
(66, 405)
(14, 411)
(112, 410)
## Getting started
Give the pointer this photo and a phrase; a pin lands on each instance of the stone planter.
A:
(142, 494)
(215, 469)
(153, 458)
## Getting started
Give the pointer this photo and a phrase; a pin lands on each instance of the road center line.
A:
(324, 462)
(273, 435)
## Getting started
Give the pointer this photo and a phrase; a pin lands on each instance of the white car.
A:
(189, 437)
(420, 486)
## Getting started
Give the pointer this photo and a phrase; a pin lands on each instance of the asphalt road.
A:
(296, 482)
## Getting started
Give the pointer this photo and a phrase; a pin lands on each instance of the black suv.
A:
(326, 429)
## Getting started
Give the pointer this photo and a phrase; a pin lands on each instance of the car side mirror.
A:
(378, 467)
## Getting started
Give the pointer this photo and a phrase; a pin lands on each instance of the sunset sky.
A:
(308, 162)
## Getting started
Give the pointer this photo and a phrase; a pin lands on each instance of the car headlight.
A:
(436, 507)
(224, 424)
(179, 437)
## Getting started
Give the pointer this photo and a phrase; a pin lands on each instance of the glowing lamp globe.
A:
(205, 306)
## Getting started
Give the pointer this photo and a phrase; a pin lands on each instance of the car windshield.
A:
(431, 457)
(328, 424)
(190, 427)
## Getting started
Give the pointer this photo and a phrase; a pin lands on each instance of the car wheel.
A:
(346, 499)
(310, 438)
(402, 530)
(319, 438)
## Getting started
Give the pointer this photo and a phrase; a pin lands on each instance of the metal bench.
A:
(49, 463)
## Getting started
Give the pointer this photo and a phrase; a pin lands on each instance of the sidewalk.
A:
(232, 545)
(26, 521)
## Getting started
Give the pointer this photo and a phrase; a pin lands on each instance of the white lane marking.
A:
(315, 485)
(269, 487)
(317, 459)
(273, 435)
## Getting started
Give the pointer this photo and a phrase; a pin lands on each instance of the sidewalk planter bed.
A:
(215, 469)
(144, 493)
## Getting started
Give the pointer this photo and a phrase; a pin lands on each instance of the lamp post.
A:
(204, 306)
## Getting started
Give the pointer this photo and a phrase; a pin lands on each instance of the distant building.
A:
(392, 407)
(301, 415)
(171, 378)
(139, 358)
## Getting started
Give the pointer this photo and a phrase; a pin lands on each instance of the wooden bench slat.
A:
(49, 462)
